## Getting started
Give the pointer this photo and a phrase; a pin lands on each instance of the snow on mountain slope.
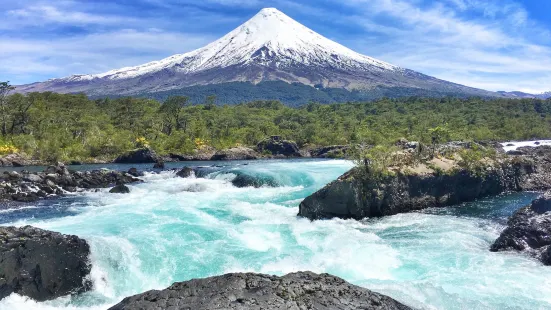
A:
(270, 34)
(270, 46)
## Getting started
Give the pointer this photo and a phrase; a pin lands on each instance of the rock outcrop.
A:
(236, 153)
(41, 264)
(15, 160)
(333, 151)
(295, 291)
(55, 181)
(139, 156)
(275, 146)
(529, 230)
(353, 196)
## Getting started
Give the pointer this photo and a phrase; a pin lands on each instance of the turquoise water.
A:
(171, 229)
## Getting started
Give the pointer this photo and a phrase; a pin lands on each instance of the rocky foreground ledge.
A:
(41, 264)
(529, 231)
(437, 183)
(295, 291)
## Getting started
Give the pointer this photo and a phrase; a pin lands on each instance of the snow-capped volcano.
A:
(270, 46)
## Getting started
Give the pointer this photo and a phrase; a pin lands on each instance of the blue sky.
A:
(491, 44)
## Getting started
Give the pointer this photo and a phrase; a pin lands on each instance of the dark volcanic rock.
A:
(120, 189)
(138, 156)
(186, 172)
(529, 229)
(295, 291)
(245, 180)
(41, 264)
(236, 153)
(29, 187)
(352, 196)
(277, 146)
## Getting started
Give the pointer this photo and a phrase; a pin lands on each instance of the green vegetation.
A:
(52, 126)
(294, 94)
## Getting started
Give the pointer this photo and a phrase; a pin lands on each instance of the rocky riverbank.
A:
(529, 230)
(270, 148)
(41, 264)
(55, 181)
(302, 290)
(436, 183)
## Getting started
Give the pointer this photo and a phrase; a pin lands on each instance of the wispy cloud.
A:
(492, 44)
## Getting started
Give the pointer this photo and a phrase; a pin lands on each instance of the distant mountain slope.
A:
(519, 94)
(269, 47)
(292, 94)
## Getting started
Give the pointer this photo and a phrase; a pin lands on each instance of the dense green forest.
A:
(52, 126)
(294, 94)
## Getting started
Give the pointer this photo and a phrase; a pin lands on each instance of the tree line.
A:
(52, 126)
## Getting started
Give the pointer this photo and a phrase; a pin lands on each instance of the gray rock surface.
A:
(55, 181)
(295, 291)
(529, 230)
(236, 153)
(41, 264)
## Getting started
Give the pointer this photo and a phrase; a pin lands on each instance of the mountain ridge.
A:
(270, 46)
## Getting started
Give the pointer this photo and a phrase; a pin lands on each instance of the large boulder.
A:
(295, 291)
(276, 146)
(41, 264)
(529, 230)
(236, 153)
(139, 156)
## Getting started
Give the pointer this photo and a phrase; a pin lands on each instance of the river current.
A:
(172, 229)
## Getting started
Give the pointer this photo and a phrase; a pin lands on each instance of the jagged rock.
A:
(41, 264)
(186, 172)
(120, 189)
(33, 178)
(236, 153)
(248, 291)
(138, 156)
(55, 180)
(529, 229)
(278, 147)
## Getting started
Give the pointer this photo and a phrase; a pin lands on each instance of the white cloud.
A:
(93, 53)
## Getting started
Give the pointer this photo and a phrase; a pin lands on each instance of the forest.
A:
(50, 126)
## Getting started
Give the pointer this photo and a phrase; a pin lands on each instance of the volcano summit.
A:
(270, 46)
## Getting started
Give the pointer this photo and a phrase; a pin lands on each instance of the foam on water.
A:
(172, 229)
